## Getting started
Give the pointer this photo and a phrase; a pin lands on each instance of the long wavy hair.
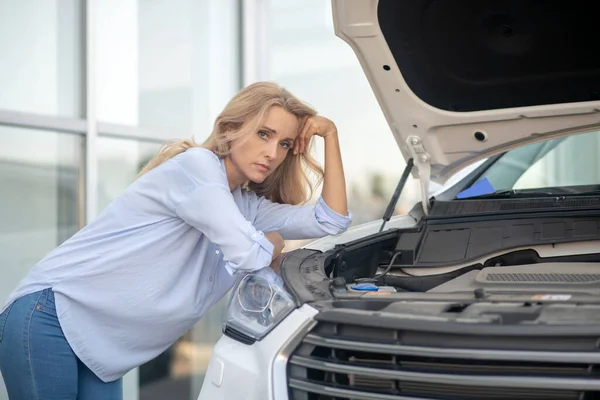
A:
(290, 182)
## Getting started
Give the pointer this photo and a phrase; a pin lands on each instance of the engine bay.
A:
(462, 255)
(526, 260)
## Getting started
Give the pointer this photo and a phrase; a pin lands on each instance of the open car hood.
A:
(461, 80)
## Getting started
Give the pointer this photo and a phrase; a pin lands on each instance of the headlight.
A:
(258, 304)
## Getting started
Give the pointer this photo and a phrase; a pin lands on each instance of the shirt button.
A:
(254, 236)
(217, 252)
(211, 279)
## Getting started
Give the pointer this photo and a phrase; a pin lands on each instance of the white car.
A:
(489, 289)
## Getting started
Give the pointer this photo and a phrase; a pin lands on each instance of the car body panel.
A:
(448, 137)
(257, 371)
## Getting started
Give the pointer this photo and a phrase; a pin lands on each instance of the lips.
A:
(262, 167)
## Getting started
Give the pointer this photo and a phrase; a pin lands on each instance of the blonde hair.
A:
(245, 113)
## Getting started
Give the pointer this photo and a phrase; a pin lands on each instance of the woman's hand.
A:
(316, 125)
(334, 182)
(277, 241)
(276, 264)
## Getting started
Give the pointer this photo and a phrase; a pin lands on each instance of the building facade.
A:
(89, 89)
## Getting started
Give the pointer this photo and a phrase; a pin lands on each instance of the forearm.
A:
(277, 241)
(334, 181)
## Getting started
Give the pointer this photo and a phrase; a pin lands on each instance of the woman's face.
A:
(257, 157)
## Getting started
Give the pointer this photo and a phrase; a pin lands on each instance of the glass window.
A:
(41, 45)
(315, 65)
(570, 161)
(42, 201)
(119, 161)
(166, 65)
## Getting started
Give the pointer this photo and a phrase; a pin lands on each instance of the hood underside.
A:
(462, 80)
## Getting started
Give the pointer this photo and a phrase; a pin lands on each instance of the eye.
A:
(286, 145)
(263, 134)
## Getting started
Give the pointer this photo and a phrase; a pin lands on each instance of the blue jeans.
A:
(36, 360)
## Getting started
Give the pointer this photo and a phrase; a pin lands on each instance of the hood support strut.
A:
(422, 161)
(392, 204)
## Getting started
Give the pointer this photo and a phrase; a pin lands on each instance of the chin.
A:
(258, 178)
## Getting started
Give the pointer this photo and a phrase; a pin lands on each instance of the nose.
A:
(271, 150)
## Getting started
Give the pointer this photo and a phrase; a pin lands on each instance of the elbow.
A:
(233, 269)
(259, 257)
(244, 268)
(335, 228)
(331, 222)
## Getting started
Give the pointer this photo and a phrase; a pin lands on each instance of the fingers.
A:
(300, 144)
(311, 131)
(310, 128)
(295, 149)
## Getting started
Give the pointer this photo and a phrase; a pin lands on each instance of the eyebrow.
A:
(269, 129)
(275, 132)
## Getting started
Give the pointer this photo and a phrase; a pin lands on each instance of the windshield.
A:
(557, 163)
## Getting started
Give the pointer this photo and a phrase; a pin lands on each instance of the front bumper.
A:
(369, 354)
(257, 371)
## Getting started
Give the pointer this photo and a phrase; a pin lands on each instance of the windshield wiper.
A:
(515, 193)
(510, 193)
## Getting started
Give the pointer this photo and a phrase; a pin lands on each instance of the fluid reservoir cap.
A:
(365, 286)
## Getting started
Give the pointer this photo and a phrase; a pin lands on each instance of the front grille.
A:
(338, 361)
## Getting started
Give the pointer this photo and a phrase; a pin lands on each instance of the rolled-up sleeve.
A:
(331, 220)
(210, 207)
(300, 222)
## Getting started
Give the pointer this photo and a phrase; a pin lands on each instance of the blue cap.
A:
(365, 286)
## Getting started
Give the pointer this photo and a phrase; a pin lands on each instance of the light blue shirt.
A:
(135, 279)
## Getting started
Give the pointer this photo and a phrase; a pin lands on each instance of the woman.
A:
(130, 283)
